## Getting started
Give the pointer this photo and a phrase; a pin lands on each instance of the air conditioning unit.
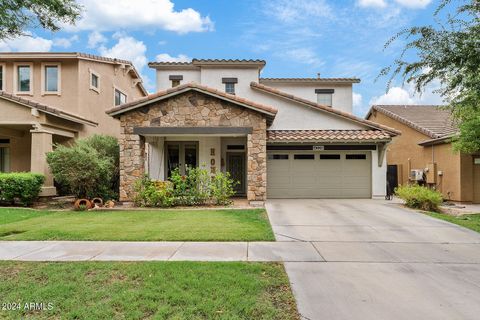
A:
(416, 175)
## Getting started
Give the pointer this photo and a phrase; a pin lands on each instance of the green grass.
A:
(470, 221)
(148, 290)
(155, 225)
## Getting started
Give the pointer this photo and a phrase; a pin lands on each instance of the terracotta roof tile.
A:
(270, 111)
(314, 105)
(327, 135)
(431, 120)
(45, 108)
(312, 80)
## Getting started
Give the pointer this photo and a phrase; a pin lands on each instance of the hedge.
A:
(22, 186)
(420, 197)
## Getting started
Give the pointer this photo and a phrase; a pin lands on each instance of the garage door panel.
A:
(328, 175)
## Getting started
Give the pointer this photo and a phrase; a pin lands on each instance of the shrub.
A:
(24, 186)
(222, 188)
(419, 197)
(153, 193)
(88, 168)
(192, 188)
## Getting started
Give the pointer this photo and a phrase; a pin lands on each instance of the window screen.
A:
(329, 157)
(356, 156)
(304, 157)
(51, 78)
(278, 157)
(23, 78)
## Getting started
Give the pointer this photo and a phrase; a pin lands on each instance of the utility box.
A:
(431, 173)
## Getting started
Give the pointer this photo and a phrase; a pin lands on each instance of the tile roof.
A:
(431, 120)
(269, 111)
(311, 80)
(328, 135)
(46, 109)
(320, 107)
(199, 62)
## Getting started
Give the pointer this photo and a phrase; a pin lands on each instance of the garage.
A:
(319, 174)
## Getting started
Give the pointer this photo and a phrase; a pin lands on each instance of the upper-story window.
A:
(23, 78)
(120, 97)
(324, 96)
(175, 79)
(94, 81)
(230, 84)
(2, 75)
(51, 78)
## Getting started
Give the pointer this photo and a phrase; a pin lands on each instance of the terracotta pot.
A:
(82, 202)
(97, 202)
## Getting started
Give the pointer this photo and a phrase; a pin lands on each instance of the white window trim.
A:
(4, 69)
(90, 73)
(122, 91)
(59, 79)
(15, 78)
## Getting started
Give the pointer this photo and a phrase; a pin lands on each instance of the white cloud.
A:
(109, 15)
(127, 48)
(293, 10)
(372, 3)
(95, 38)
(165, 57)
(303, 55)
(65, 42)
(414, 4)
(407, 95)
(29, 43)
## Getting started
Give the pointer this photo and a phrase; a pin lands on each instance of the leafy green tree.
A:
(18, 15)
(448, 51)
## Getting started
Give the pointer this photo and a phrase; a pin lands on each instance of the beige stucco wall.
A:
(456, 180)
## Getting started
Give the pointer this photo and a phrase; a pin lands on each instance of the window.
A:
(2, 73)
(175, 79)
(329, 157)
(324, 96)
(304, 157)
(278, 157)
(51, 78)
(24, 78)
(235, 147)
(94, 81)
(230, 84)
(356, 156)
(230, 88)
(120, 97)
(4, 159)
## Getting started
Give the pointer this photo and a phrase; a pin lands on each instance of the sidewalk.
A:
(158, 251)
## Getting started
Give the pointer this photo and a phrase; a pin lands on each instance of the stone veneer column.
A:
(257, 164)
(132, 164)
(40, 145)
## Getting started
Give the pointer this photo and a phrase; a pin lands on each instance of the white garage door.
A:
(324, 174)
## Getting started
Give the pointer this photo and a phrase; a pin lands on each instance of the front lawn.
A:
(154, 225)
(470, 221)
(146, 290)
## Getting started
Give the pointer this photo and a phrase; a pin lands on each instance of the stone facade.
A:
(192, 109)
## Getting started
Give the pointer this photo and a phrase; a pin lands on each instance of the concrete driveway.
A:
(381, 261)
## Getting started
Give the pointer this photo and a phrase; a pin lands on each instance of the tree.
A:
(448, 51)
(18, 15)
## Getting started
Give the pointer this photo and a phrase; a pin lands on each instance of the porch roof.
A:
(268, 111)
(328, 136)
(46, 109)
(175, 131)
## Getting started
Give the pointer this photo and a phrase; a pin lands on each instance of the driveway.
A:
(381, 261)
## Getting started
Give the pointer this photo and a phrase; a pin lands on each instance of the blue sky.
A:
(297, 38)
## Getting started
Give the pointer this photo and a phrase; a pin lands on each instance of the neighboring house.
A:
(272, 135)
(48, 98)
(425, 145)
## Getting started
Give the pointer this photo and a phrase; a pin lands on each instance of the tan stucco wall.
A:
(456, 181)
(20, 151)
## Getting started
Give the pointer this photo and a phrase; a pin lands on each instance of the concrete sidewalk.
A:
(158, 251)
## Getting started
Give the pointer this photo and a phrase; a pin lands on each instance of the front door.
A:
(236, 168)
(182, 155)
(476, 179)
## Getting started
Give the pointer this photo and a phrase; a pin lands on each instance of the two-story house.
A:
(279, 137)
(48, 98)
